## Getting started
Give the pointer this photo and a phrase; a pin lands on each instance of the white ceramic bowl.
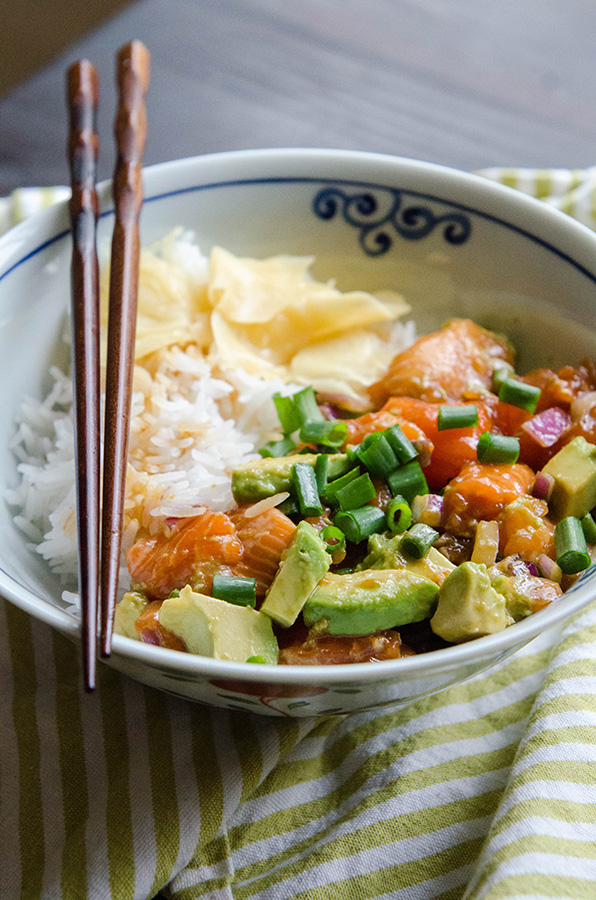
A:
(454, 244)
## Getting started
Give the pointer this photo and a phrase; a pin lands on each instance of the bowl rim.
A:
(45, 224)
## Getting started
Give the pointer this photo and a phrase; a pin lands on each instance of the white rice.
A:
(184, 443)
(190, 427)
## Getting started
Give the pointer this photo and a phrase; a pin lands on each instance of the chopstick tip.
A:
(135, 55)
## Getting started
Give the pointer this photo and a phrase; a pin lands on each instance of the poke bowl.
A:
(385, 251)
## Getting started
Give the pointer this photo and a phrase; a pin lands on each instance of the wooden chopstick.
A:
(130, 130)
(82, 88)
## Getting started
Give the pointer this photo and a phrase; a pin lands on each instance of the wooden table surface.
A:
(461, 82)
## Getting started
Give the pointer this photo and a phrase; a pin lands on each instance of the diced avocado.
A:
(469, 607)
(369, 601)
(524, 594)
(517, 603)
(574, 471)
(211, 627)
(386, 553)
(262, 478)
(127, 612)
(302, 566)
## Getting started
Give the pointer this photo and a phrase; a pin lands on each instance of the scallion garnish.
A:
(589, 528)
(174, 593)
(287, 413)
(377, 454)
(518, 393)
(570, 543)
(497, 448)
(328, 434)
(457, 417)
(257, 659)
(289, 507)
(408, 481)
(321, 469)
(234, 589)
(334, 538)
(277, 448)
(338, 483)
(418, 540)
(499, 376)
(398, 515)
(359, 524)
(307, 407)
(357, 493)
(402, 446)
(304, 482)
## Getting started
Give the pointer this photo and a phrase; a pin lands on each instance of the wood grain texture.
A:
(453, 81)
(132, 75)
(82, 91)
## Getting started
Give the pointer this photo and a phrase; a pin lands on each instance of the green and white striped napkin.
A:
(485, 791)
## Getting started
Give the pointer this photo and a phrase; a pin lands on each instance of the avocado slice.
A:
(262, 478)
(302, 566)
(386, 553)
(369, 601)
(469, 606)
(127, 612)
(574, 471)
(211, 627)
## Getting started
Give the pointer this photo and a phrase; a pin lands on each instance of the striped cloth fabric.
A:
(485, 791)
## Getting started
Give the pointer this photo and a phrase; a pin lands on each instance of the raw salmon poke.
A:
(309, 483)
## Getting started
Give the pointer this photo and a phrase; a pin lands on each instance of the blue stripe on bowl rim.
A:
(321, 182)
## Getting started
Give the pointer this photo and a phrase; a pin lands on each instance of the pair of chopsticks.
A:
(100, 547)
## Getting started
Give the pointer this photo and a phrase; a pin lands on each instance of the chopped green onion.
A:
(398, 515)
(304, 481)
(418, 540)
(307, 406)
(289, 507)
(499, 376)
(287, 413)
(402, 446)
(408, 481)
(570, 543)
(338, 483)
(334, 535)
(357, 493)
(377, 455)
(277, 448)
(359, 524)
(457, 417)
(589, 528)
(518, 393)
(234, 589)
(174, 593)
(497, 448)
(329, 434)
(256, 659)
(321, 469)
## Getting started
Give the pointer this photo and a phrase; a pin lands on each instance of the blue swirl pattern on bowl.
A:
(375, 215)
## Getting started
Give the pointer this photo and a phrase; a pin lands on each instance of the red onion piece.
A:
(424, 448)
(548, 426)
(334, 406)
(533, 569)
(428, 509)
(172, 522)
(543, 486)
(582, 404)
(150, 637)
(549, 568)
